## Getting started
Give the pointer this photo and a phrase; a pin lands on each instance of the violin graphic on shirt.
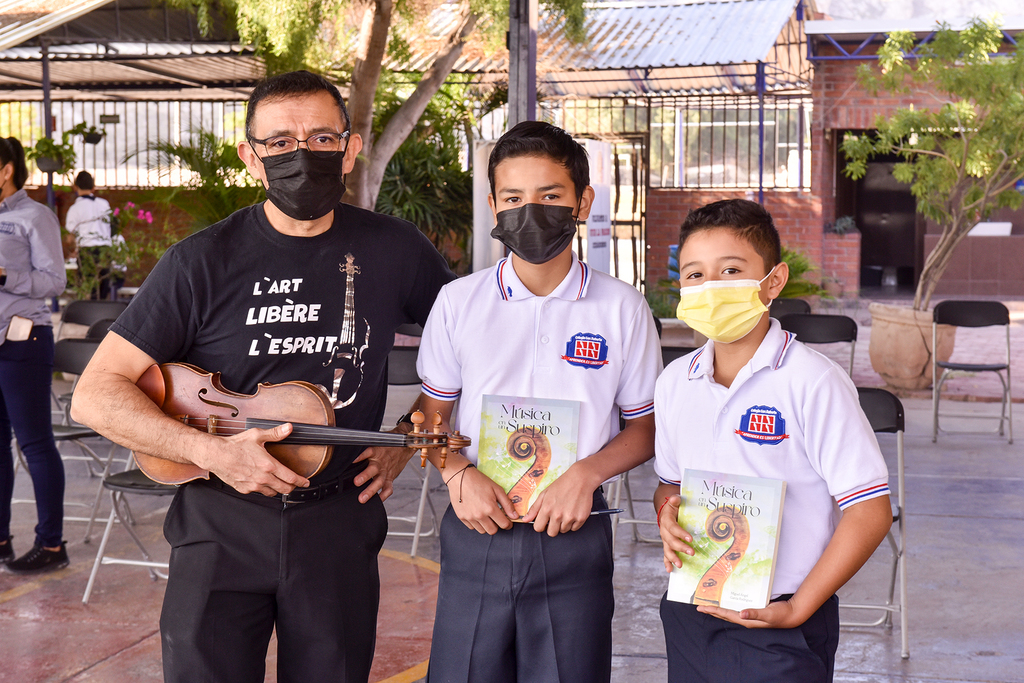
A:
(346, 357)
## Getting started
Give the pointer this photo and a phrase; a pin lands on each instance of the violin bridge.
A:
(211, 424)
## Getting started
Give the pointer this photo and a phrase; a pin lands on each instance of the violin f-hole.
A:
(233, 409)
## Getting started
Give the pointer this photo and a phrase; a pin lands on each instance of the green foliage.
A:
(220, 184)
(799, 284)
(962, 157)
(63, 151)
(424, 182)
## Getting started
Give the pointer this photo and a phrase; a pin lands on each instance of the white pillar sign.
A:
(599, 224)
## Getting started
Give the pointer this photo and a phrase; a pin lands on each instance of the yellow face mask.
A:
(722, 310)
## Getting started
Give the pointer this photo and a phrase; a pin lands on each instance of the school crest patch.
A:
(586, 350)
(762, 425)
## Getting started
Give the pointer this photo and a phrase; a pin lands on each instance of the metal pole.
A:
(760, 133)
(47, 117)
(522, 61)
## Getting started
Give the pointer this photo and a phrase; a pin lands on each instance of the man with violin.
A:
(298, 288)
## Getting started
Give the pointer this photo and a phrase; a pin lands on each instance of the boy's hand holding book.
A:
(674, 538)
(479, 502)
(565, 504)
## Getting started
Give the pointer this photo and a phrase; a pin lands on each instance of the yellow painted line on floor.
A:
(409, 675)
(28, 587)
(420, 670)
(418, 561)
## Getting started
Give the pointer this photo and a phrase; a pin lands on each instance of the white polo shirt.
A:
(88, 219)
(808, 430)
(591, 340)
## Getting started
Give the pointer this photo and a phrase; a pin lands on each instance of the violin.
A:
(198, 399)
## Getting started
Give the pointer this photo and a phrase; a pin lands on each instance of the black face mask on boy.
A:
(536, 233)
(305, 186)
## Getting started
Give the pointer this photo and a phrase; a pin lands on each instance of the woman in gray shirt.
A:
(31, 269)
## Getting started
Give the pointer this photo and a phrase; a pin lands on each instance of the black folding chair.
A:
(71, 356)
(822, 329)
(885, 413)
(120, 485)
(971, 314)
(781, 307)
(86, 312)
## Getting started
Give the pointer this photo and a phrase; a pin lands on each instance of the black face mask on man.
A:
(536, 233)
(303, 185)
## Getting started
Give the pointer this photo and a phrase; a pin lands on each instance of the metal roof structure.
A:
(654, 47)
(119, 49)
(857, 39)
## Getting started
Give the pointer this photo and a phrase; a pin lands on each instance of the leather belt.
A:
(296, 497)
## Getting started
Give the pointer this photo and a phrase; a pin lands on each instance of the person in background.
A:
(88, 220)
(31, 269)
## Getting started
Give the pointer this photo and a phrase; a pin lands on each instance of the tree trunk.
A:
(367, 176)
(373, 42)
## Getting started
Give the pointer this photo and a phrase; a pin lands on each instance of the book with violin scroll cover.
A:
(526, 443)
(734, 521)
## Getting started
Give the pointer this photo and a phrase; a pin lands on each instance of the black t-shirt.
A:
(257, 306)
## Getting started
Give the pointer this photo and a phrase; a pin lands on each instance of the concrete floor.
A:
(966, 593)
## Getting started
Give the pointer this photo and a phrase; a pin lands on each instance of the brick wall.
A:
(797, 216)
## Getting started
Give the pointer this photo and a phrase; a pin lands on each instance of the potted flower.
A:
(961, 160)
(92, 135)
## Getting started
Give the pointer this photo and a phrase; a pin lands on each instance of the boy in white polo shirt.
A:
(821, 445)
(530, 599)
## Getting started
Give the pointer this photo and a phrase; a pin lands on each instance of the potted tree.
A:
(961, 159)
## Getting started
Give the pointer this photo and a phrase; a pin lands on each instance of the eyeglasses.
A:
(320, 144)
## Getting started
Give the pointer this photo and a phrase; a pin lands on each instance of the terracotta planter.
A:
(901, 345)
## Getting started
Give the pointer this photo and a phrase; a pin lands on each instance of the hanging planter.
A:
(93, 138)
(49, 164)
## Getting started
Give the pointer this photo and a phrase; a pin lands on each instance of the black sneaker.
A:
(39, 560)
(7, 551)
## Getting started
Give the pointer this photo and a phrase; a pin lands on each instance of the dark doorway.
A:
(885, 212)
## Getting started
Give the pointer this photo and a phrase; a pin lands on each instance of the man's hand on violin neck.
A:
(243, 463)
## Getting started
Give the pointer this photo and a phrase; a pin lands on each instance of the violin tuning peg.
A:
(444, 457)
(437, 418)
(423, 457)
(417, 418)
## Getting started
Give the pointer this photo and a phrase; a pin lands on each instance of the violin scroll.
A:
(435, 438)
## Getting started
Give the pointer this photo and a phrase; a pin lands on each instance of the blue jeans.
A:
(26, 373)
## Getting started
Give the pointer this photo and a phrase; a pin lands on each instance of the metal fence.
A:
(124, 157)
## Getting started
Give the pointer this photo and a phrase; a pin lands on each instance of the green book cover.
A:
(526, 443)
(734, 521)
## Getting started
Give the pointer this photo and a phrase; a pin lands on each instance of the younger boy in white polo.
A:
(533, 601)
(809, 431)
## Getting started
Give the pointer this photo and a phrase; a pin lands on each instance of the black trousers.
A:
(522, 606)
(241, 567)
(704, 649)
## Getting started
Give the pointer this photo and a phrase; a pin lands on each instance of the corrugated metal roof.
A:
(128, 45)
(14, 30)
(636, 46)
(638, 35)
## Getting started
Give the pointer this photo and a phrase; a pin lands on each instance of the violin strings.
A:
(304, 433)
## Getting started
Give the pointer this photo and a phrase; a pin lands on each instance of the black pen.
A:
(610, 511)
